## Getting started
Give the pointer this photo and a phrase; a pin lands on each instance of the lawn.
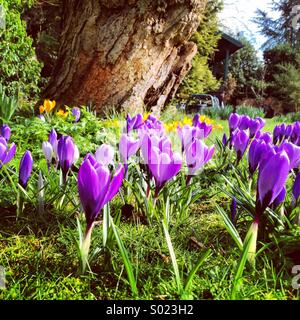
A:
(175, 244)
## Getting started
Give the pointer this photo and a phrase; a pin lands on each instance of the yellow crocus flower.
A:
(49, 105)
(42, 109)
(62, 113)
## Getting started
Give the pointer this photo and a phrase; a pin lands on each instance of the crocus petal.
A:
(26, 164)
(105, 154)
(5, 132)
(272, 178)
(280, 198)
(115, 183)
(233, 121)
(11, 153)
(48, 150)
(296, 187)
(2, 153)
(293, 153)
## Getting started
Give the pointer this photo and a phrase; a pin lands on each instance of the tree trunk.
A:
(128, 54)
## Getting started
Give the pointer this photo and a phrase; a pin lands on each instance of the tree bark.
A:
(124, 54)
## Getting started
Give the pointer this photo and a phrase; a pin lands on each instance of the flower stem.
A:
(85, 246)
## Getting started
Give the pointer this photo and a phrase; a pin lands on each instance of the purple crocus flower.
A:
(296, 187)
(48, 151)
(26, 164)
(254, 127)
(52, 138)
(205, 129)
(233, 121)
(262, 122)
(66, 151)
(5, 132)
(282, 129)
(265, 136)
(163, 167)
(233, 210)
(6, 154)
(187, 134)
(160, 159)
(276, 134)
(128, 147)
(76, 113)
(105, 154)
(133, 123)
(203, 126)
(288, 131)
(293, 153)
(244, 122)
(258, 151)
(296, 133)
(197, 155)
(240, 140)
(273, 173)
(224, 140)
(96, 187)
(41, 117)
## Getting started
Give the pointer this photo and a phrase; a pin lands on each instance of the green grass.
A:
(39, 252)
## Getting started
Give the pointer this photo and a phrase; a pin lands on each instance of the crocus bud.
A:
(262, 122)
(293, 153)
(197, 155)
(66, 153)
(48, 151)
(25, 168)
(233, 121)
(76, 113)
(224, 140)
(233, 210)
(273, 173)
(296, 187)
(276, 134)
(240, 142)
(5, 132)
(254, 127)
(52, 138)
(244, 122)
(134, 123)
(288, 131)
(105, 154)
(128, 147)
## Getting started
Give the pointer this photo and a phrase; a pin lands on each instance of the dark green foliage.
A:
(19, 69)
(252, 112)
(200, 79)
(287, 84)
(8, 106)
(218, 113)
(247, 70)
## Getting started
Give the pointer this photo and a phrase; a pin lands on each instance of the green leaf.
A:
(230, 228)
(127, 263)
(173, 258)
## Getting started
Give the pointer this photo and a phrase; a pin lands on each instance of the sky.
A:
(237, 16)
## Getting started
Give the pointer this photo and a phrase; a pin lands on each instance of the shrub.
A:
(19, 68)
(8, 106)
(218, 113)
(252, 112)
